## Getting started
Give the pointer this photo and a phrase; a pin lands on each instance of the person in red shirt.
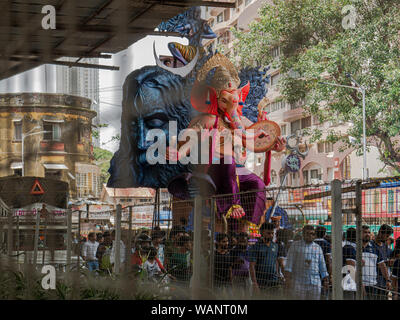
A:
(141, 254)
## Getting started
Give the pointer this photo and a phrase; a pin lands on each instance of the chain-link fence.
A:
(330, 241)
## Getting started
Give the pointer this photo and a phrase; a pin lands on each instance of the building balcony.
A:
(50, 146)
(216, 11)
(292, 115)
(221, 27)
(249, 13)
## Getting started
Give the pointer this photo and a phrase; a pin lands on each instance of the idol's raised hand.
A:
(280, 144)
(262, 116)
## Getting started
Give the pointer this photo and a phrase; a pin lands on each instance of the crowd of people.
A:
(281, 263)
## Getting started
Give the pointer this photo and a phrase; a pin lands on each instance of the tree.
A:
(322, 40)
(102, 158)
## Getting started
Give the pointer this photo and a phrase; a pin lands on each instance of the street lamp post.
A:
(362, 90)
(30, 133)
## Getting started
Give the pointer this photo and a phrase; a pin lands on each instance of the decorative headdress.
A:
(225, 76)
(205, 98)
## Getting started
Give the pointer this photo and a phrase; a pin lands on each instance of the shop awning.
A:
(53, 120)
(16, 165)
(55, 166)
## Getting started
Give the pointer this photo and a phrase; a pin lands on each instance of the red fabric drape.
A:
(267, 168)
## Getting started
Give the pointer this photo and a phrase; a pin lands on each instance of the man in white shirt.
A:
(305, 267)
(89, 250)
(121, 251)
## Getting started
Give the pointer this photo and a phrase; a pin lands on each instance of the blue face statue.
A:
(152, 98)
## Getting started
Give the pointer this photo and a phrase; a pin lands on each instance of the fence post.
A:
(212, 222)
(10, 233)
(69, 239)
(117, 257)
(196, 280)
(17, 236)
(129, 244)
(36, 239)
(79, 240)
(337, 254)
(358, 241)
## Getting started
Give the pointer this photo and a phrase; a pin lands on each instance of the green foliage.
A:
(96, 132)
(19, 282)
(102, 158)
(316, 47)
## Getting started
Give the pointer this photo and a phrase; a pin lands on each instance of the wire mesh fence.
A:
(289, 254)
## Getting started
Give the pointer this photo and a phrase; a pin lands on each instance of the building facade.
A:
(47, 135)
(83, 82)
(127, 196)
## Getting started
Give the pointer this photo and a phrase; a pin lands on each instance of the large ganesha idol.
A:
(219, 99)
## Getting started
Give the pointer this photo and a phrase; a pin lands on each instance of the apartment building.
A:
(324, 161)
(222, 20)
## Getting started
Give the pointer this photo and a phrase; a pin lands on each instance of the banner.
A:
(381, 203)
(33, 209)
(383, 212)
(391, 196)
(310, 191)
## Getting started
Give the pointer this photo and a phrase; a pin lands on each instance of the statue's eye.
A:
(155, 123)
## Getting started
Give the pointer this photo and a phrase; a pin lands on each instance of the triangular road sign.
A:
(37, 188)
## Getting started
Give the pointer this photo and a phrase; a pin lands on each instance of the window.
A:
(53, 131)
(95, 184)
(17, 130)
(277, 105)
(224, 38)
(325, 147)
(275, 52)
(294, 176)
(320, 147)
(283, 130)
(18, 172)
(305, 177)
(220, 18)
(328, 147)
(226, 14)
(294, 126)
(314, 174)
(247, 2)
(306, 122)
(81, 180)
(232, 11)
(275, 79)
